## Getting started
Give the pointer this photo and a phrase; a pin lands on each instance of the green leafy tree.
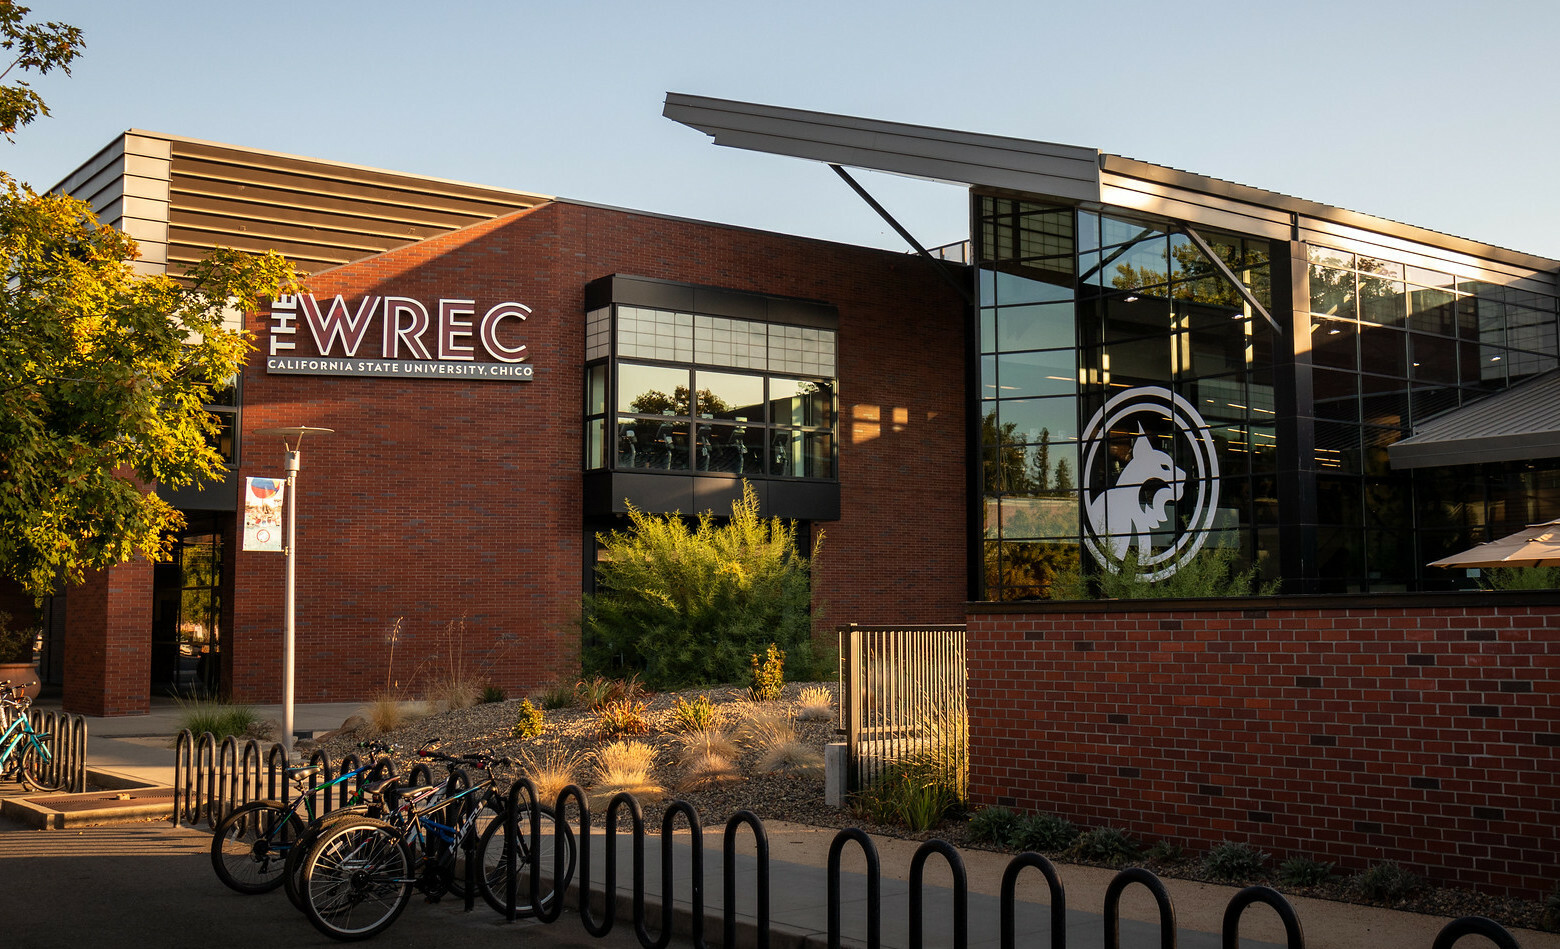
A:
(689, 602)
(104, 373)
(36, 48)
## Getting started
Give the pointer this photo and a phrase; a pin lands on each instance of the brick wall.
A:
(108, 642)
(442, 499)
(1355, 731)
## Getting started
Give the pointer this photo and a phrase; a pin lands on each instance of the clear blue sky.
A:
(1436, 113)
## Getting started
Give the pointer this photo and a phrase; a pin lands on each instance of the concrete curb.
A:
(26, 810)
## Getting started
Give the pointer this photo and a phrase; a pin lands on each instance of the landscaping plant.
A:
(768, 682)
(1237, 862)
(528, 721)
(688, 602)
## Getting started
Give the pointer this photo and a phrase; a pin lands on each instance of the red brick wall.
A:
(1428, 734)
(108, 642)
(442, 499)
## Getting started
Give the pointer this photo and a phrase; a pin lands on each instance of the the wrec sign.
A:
(454, 338)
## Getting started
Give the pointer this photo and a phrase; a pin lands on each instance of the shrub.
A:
(1551, 917)
(815, 704)
(621, 717)
(768, 682)
(995, 825)
(1107, 845)
(552, 772)
(385, 712)
(1237, 862)
(1165, 852)
(555, 695)
(687, 602)
(1303, 871)
(695, 716)
(16, 642)
(599, 690)
(625, 766)
(915, 797)
(1385, 882)
(492, 694)
(1044, 833)
(528, 721)
(449, 694)
(221, 719)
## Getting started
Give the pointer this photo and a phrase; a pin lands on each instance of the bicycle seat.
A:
(299, 775)
(377, 786)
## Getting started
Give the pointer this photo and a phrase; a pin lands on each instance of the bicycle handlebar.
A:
(481, 759)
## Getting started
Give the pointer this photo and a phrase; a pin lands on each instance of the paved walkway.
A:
(141, 746)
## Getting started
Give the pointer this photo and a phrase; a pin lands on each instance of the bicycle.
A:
(359, 874)
(250, 845)
(24, 751)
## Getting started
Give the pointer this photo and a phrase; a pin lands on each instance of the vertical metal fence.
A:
(902, 704)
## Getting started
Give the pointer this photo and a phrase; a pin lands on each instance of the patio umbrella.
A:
(1537, 545)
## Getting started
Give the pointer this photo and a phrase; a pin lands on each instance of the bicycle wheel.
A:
(292, 872)
(40, 771)
(249, 847)
(492, 850)
(357, 879)
(487, 816)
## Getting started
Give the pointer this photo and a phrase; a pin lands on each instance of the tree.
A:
(104, 373)
(691, 603)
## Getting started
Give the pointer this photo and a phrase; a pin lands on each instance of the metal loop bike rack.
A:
(961, 893)
(1167, 933)
(1261, 894)
(1474, 926)
(729, 877)
(874, 886)
(1009, 906)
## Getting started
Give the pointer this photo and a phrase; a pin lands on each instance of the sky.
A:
(1433, 113)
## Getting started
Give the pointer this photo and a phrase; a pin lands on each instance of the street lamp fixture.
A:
(292, 442)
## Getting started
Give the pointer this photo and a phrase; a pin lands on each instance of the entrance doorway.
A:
(187, 611)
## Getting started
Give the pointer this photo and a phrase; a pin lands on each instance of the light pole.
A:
(292, 441)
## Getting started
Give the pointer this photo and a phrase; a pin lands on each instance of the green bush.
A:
(555, 695)
(1386, 882)
(994, 825)
(768, 682)
(695, 716)
(914, 796)
(1165, 852)
(1236, 862)
(687, 603)
(528, 721)
(621, 717)
(1303, 871)
(1551, 918)
(1044, 833)
(492, 694)
(1106, 845)
(221, 719)
(1213, 572)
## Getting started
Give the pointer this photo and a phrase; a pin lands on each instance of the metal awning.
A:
(1520, 423)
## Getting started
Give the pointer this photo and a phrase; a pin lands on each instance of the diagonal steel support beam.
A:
(883, 213)
(1219, 264)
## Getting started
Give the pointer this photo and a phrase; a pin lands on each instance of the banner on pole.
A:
(263, 513)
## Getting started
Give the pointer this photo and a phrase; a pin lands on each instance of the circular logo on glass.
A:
(1150, 481)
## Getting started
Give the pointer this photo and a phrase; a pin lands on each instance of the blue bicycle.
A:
(24, 751)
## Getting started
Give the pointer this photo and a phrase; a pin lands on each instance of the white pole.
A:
(289, 600)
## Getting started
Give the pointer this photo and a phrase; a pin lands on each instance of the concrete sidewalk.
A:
(141, 746)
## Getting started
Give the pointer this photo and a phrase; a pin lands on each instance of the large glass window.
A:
(695, 393)
(1075, 308)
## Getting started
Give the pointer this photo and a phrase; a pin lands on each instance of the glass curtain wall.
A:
(1080, 314)
(1393, 345)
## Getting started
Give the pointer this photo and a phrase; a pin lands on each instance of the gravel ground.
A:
(794, 791)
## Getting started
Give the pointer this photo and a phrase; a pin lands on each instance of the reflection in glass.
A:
(1051, 372)
(653, 443)
(801, 402)
(1043, 326)
(652, 389)
(729, 396)
(799, 454)
(1025, 419)
(738, 449)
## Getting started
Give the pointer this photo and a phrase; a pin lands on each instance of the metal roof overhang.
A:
(1521, 423)
(964, 158)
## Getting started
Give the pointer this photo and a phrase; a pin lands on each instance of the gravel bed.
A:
(796, 793)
